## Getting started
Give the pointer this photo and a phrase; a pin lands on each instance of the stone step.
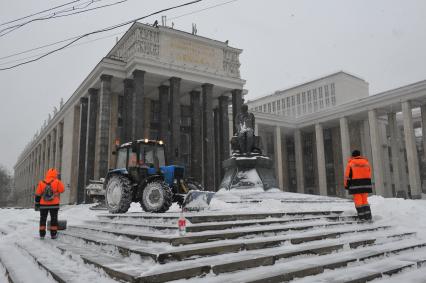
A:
(57, 273)
(259, 260)
(163, 254)
(202, 218)
(217, 225)
(371, 270)
(287, 270)
(19, 268)
(201, 266)
(115, 267)
(61, 268)
(193, 238)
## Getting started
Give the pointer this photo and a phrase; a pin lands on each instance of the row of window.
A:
(302, 103)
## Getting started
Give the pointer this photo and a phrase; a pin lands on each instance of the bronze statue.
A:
(245, 124)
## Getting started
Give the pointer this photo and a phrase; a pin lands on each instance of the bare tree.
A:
(5, 186)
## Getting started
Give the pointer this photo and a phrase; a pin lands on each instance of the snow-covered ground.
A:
(19, 228)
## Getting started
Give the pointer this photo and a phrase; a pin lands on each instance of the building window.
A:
(309, 96)
(293, 101)
(273, 107)
(333, 95)
(264, 107)
(278, 105)
(269, 107)
(303, 97)
(283, 102)
(298, 99)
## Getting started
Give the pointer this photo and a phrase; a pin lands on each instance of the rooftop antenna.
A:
(194, 29)
(164, 21)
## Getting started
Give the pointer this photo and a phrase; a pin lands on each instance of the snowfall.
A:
(19, 227)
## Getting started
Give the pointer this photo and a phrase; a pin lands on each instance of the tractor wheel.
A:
(118, 194)
(156, 197)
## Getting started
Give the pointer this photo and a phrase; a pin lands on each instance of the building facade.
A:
(311, 129)
(155, 83)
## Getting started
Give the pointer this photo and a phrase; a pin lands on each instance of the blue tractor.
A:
(141, 175)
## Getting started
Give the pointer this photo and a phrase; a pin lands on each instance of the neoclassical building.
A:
(311, 129)
(155, 83)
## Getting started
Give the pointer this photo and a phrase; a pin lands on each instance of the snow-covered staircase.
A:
(320, 245)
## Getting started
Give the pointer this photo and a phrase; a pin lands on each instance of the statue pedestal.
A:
(248, 171)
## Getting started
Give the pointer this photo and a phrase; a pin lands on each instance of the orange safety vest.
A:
(57, 188)
(358, 176)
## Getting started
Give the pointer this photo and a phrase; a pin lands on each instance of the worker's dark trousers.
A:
(53, 220)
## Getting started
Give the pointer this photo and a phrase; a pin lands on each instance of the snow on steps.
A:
(214, 254)
(20, 268)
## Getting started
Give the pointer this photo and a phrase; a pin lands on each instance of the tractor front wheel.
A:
(156, 197)
(118, 194)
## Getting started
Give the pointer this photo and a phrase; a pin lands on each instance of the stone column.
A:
(82, 149)
(410, 145)
(237, 101)
(278, 157)
(147, 119)
(113, 132)
(376, 149)
(91, 135)
(175, 120)
(423, 113)
(396, 154)
(346, 144)
(366, 142)
(163, 93)
(44, 158)
(216, 143)
(60, 133)
(128, 110)
(52, 148)
(322, 177)
(208, 138)
(223, 132)
(286, 179)
(196, 140)
(138, 105)
(298, 154)
(102, 137)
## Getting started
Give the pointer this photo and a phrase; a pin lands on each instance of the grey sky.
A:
(284, 43)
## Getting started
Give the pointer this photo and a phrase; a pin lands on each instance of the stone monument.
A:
(247, 167)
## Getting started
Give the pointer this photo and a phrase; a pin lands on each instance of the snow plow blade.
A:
(197, 200)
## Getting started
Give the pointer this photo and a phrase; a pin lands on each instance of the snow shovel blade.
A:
(197, 200)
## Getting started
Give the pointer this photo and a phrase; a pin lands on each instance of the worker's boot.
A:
(360, 211)
(367, 213)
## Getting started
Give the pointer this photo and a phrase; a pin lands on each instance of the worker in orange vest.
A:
(47, 200)
(358, 183)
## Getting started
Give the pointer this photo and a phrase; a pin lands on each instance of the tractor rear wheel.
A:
(156, 197)
(118, 194)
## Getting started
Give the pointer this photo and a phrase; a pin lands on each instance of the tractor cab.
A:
(146, 158)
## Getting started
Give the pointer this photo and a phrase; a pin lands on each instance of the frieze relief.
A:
(143, 41)
(179, 51)
(231, 63)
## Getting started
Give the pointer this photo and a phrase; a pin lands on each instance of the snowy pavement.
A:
(244, 236)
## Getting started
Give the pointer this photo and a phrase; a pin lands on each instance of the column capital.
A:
(93, 91)
(138, 73)
(206, 85)
(83, 100)
(174, 79)
(128, 83)
(106, 77)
